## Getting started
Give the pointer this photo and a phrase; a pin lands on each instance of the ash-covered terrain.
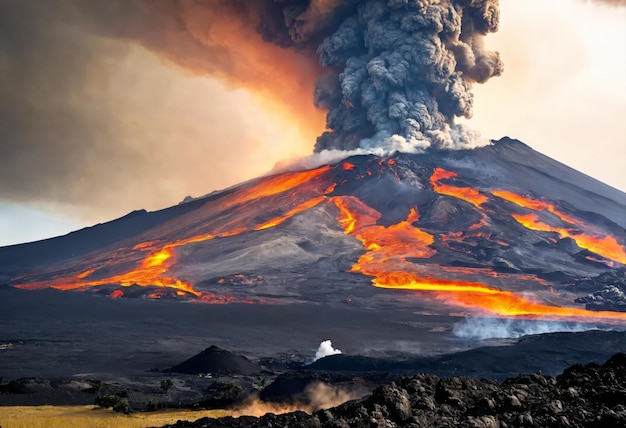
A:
(582, 396)
(442, 262)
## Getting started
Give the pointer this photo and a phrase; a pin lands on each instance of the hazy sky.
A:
(563, 92)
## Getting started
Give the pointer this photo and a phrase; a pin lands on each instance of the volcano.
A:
(497, 231)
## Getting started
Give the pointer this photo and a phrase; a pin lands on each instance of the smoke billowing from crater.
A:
(395, 73)
(83, 126)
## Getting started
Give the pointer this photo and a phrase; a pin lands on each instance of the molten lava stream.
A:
(586, 237)
(606, 246)
(152, 270)
(385, 259)
(468, 194)
(274, 185)
(536, 205)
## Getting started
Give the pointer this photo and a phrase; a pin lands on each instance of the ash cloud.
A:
(395, 73)
(95, 125)
(405, 70)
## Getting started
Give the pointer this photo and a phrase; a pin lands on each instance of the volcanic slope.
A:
(499, 231)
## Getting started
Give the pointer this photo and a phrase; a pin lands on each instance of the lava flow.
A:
(386, 260)
(468, 194)
(584, 235)
(153, 268)
(606, 246)
(393, 252)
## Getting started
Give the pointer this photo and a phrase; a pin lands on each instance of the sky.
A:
(180, 133)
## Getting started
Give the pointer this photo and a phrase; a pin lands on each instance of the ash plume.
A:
(83, 128)
(405, 73)
(392, 72)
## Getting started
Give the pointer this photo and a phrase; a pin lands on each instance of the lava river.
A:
(396, 256)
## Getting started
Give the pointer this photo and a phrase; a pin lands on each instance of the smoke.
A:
(498, 328)
(394, 73)
(95, 125)
(315, 397)
(325, 349)
(405, 74)
(92, 112)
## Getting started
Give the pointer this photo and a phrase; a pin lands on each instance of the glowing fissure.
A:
(535, 205)
(585, 236)
(385, 259)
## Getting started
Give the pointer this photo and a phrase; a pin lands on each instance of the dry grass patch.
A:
(90, 417)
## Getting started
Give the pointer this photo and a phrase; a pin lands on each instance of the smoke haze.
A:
(111, 106)
(315, 397)
(499, 328)
(96, 126)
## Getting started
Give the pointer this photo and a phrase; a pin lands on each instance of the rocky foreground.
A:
(582, 396)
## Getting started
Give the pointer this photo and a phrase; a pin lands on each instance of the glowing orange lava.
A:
(386, 260)
(391, 252)
(292, 212)
(468, 194)
(606, 246)
(536, 205)
(153, 268)
(275, 185)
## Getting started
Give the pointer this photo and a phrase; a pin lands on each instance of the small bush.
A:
(118, 404)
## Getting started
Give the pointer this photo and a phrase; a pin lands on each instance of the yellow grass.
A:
(90, 417)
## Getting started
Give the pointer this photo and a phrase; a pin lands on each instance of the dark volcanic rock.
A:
(610, 298)
(217, 360)
(549, 353)
(582, 396)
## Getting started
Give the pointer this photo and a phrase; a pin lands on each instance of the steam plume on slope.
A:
(498, 328)
(325, 349)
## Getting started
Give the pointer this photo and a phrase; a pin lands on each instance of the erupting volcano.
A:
(494, 231)
(406, 237)
(420, 212)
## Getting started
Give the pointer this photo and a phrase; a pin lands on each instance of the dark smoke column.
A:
(402, 72)
(394, 73)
